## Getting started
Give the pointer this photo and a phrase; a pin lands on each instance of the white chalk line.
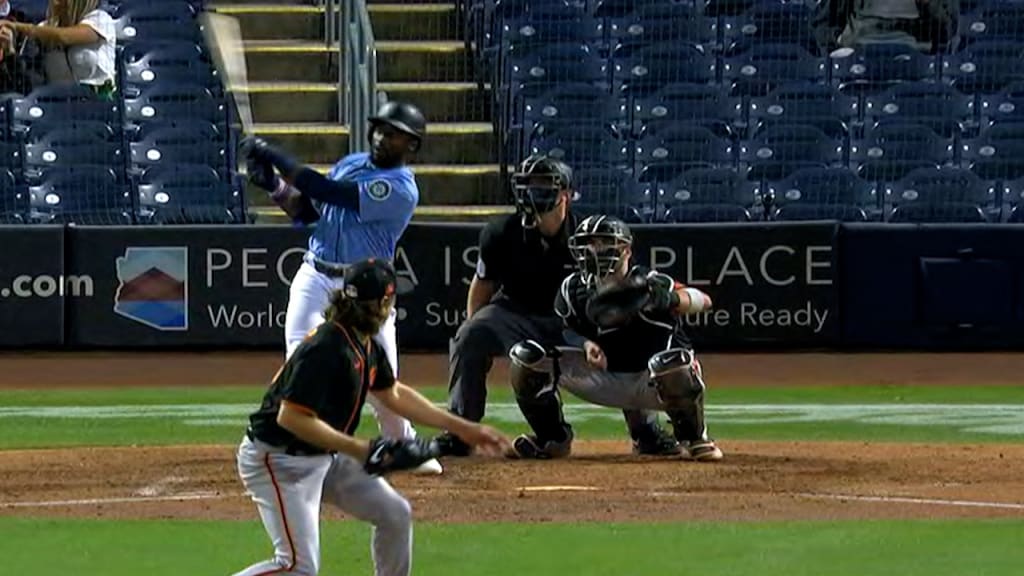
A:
(161, 486)
(910, 500)
(123, 500)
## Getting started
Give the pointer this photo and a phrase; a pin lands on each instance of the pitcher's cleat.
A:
(703, 451)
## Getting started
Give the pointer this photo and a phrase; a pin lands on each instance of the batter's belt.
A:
(329, 270)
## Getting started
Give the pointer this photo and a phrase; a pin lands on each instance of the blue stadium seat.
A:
(623, 8)
(873, 68)
(779, 151)
(685, 146)
(14, 204)
(50, 145)
(1017, 216)
(660, 22)
(547, 24)
(531, 75)
(706, 195)
(82, 195)
(63, 103)
(184, 194)
(118, 7)
(614, 192)
(687, 103)
(986, 67)
(891, 151)
(163, 102)
(998, 20)
(941, 195)
(172, 63)
(940, 107)
(574, 103)
(762, 68)
(729, 8)
(11, 158)
(586, 145)
(998, 154)
(824, 193)
(1006, 106)
(152, 21)
(195, 144)
(645, 71)
(771, 23)
(817, 105)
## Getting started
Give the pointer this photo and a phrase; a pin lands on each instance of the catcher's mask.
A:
(536, 186)
(599, 246)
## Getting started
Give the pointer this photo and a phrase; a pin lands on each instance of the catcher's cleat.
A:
(452, 445)
(659, 443)
(429, 468)
(703, 451)
(529, 447)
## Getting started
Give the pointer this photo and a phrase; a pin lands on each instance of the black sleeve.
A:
(489, 261)
(313, 371)
(315, 185)
(574, 321)
(382, 377)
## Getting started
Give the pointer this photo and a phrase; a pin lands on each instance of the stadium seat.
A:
(49, 145)
(872, 68)
(779, 151)
(1005, 106)
(157, 21)
(173, 63)
(81, 195)
(805, 212)
(710, 105)
(184, 194)
(824, 193)
(891, 151)
(169, 102)
(14, 204)
(652, 23)
(771, 23)
(941, 108)
(586, 145)
(706, 195)
(614, 192)
(118, 7)
(985, 67)
(998, 154)
(762, 68)
(573, 104)
(1000, 20)
(941, 195)
(645, 71)
(11, 158)
(195, 144)
(685, 145)
(817, 105)
(63, 103)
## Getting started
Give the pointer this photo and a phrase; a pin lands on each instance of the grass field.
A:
(45, 546)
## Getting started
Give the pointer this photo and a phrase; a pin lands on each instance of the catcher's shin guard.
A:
(677, 379)
(534, 376)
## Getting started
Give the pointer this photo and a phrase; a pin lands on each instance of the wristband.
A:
(696, 300)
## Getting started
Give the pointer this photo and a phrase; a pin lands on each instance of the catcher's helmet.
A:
(599, 246)
(402, 116)
(536, 186)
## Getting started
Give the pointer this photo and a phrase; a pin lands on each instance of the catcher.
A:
(300, 449)
(626, 347)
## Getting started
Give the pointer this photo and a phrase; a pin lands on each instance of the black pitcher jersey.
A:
(627, 348)
(328, 375)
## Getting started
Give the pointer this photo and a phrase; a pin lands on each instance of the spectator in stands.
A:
(928, 25)
(78, 41)
(15, 72)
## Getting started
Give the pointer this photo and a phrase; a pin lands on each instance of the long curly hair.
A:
(69, 12)
(363, 316)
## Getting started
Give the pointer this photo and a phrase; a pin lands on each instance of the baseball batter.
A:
(299, 448)
(646, 363)
(361, 208)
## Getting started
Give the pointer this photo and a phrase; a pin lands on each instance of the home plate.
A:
(559, 488)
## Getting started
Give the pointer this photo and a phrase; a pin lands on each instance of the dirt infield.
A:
(757, 481)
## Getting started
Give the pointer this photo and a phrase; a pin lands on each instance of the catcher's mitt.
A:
(617, 303)
(392, 455)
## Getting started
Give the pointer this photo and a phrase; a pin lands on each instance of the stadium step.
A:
(326, 142)
(318, 101)
(280, 21)
(407, 61)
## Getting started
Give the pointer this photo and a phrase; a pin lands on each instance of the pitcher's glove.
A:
(615, 304)
(387, 455)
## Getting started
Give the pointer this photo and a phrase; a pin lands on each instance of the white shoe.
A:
(429, 468)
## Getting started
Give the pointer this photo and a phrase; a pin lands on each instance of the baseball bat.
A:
(224, 40)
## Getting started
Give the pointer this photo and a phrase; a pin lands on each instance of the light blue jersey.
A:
(387, 198)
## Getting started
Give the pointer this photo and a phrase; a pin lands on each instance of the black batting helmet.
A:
(536, 185)
(599, 245)
(401, 116)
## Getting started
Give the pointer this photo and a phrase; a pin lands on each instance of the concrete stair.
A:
(293, 81)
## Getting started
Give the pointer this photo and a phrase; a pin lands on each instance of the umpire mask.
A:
(599, 247)
(536, 186)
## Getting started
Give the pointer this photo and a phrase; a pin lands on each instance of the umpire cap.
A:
(402, 116)
(370, 280)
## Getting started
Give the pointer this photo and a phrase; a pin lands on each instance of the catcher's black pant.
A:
(493, 331)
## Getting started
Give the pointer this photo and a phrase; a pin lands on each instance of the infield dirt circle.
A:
(602, 481)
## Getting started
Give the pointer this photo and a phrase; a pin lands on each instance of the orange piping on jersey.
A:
(304, 409)
(362, 362)
(284, 519)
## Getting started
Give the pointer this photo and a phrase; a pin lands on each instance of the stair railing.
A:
(347, 28)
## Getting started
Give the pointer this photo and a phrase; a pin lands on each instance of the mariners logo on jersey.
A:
(379, 190)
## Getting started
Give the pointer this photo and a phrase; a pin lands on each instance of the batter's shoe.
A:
(703, 451)
(429, 468)
(452, 445)
(529, 447)
(657, 443)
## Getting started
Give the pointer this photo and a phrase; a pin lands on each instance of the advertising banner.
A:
(33, 285)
